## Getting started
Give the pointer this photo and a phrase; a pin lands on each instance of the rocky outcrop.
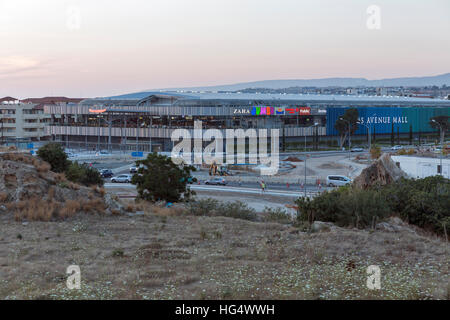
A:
(26, 182)
(382, 172)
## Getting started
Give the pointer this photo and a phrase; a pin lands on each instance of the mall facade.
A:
(146, 121)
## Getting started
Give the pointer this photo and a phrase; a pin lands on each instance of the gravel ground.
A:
(171, 257)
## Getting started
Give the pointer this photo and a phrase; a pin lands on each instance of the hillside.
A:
(159, 255)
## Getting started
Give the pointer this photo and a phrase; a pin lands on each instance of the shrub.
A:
(277, 215)
(54, 154)
(422, 202)
(344, 207)
(82, 174)
(212, 207)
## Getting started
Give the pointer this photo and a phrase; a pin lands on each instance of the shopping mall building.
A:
(146, 121)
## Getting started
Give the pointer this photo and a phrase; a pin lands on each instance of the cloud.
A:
(17, 64)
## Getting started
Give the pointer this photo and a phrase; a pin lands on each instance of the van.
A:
(337, 181)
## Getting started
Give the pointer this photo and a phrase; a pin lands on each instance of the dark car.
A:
(106, 173)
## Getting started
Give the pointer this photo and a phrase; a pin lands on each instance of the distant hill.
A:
(438, 80)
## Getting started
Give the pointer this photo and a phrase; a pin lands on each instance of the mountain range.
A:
(438, 80)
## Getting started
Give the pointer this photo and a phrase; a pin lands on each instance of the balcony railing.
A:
(160, 132)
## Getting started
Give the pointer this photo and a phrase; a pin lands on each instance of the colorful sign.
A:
(268, 111)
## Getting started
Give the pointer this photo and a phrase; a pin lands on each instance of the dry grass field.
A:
(166, 254)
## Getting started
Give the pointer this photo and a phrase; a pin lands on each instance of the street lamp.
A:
(314, 125)
(442, 143)
(306, 156)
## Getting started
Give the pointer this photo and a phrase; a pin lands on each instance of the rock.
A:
(394, 224)
(113, 204)
(319, 226)
(382, 172)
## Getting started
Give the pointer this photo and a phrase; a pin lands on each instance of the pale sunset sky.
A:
(89, 48)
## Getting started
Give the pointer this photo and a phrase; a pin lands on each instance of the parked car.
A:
(397, 147)
(216, 181)
(357, 149)
(133, 169)
(122, 178)
(338, 181)
(106, 173)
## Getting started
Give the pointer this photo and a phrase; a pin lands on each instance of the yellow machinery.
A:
(214, 170)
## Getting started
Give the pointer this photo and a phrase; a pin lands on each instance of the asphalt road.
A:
(293, 193)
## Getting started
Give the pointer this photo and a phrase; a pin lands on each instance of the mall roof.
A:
(206, 95)
(183, 96)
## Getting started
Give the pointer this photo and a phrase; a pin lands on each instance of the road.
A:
(277, 191)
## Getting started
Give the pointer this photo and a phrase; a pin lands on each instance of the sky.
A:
(91, 48)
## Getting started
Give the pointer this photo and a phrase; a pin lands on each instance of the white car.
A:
(357, 149)
(133, 169)
(397, 147)
(123, 178)
(338, 181)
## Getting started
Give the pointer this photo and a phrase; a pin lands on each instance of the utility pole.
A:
(315, 124)
(349, 139)
(306, 156)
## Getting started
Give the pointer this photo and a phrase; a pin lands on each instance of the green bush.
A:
(345, 207)
(212, 207)
(422, 202)
(54, 154)
(82, 174)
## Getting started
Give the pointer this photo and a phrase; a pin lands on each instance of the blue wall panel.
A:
(381, 118)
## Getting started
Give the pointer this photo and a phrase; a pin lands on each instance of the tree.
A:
(54, 154)
(159, 179)
(350, 117)
(442, 124)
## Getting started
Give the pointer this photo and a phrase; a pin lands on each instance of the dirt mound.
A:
(382, 172)
(293, 159)
(331, 165)
(31, 191)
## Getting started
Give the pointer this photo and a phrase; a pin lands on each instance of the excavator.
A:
(214, 170)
